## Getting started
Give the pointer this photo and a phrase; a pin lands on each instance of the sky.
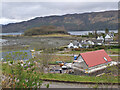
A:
(22, 11)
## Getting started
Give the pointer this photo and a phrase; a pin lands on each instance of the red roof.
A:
(95, 57)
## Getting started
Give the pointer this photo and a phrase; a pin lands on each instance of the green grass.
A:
(113, 51)
(73, 52)
(67, 77)
(109, 51)
(77, 78)
(115, 58)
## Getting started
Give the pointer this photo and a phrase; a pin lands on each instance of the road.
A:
(71, 85)
(73, 54)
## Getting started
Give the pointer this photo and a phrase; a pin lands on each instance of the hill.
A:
(44, 30)
(85, 21)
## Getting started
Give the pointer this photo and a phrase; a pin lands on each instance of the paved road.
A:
(70, 85)
(114, 55)
(74, 54)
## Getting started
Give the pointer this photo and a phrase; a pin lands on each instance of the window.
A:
(105, 59)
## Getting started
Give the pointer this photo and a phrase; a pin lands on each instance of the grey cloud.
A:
(27, 10)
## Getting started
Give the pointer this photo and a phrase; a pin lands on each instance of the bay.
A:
(10, 34)
(86, 32)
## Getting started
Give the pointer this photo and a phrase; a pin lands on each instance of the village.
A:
(64, 44)
(90, 63)
(79, 57)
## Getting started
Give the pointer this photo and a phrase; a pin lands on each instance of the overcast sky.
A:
(21, 11)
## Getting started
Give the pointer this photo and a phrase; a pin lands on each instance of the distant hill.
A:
(43, 30)
(85, 21)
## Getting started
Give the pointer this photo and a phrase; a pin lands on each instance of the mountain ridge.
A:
(71, 22)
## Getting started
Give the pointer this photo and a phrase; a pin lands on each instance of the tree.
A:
(96, 35)
(106, 31)
(44, 58)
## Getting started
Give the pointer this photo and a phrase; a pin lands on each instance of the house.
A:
(91, 42)
(108, 38)
(92, 63)
(71, 45)
(100, 38)
(87, 43)
(98, 42)
(75, 44)
(80, 45)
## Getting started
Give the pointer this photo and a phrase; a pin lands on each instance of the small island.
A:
(45, 30)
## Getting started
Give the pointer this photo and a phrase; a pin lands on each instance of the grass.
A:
(71, 78)
(109, 51)
(113, 51)
(73, 52)
(77, 78)
(14, 48)
(53, 35)
(115, 58)
(67, 77)
(61, 58)
(55, 58)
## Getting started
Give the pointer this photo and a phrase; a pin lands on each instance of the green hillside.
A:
(85, 21)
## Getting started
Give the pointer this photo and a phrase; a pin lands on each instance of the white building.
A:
(92, 63)
(100, 38)
(71, 45)
(108, 37)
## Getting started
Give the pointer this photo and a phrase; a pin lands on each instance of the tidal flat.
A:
(16, 43)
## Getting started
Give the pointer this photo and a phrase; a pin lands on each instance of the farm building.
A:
(92, 63)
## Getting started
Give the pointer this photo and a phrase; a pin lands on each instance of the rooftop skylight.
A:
(105, 59)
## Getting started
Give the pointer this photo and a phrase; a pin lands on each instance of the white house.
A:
(75, 46)
(80, 45)
(90, 42)
(99, 43)
(108, 37)
(92, 63)
(71, 45)
(100, 38)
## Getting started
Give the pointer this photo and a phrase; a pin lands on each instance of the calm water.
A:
(10, 34)
(86, 32)
(71, 32)
(2, 40)
(16, 55)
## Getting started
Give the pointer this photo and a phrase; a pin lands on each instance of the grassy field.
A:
(53, 35)
(113, 51)
(115, 58)
(77, 78)
(68, 77)
(109, 51)
(70, 59)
